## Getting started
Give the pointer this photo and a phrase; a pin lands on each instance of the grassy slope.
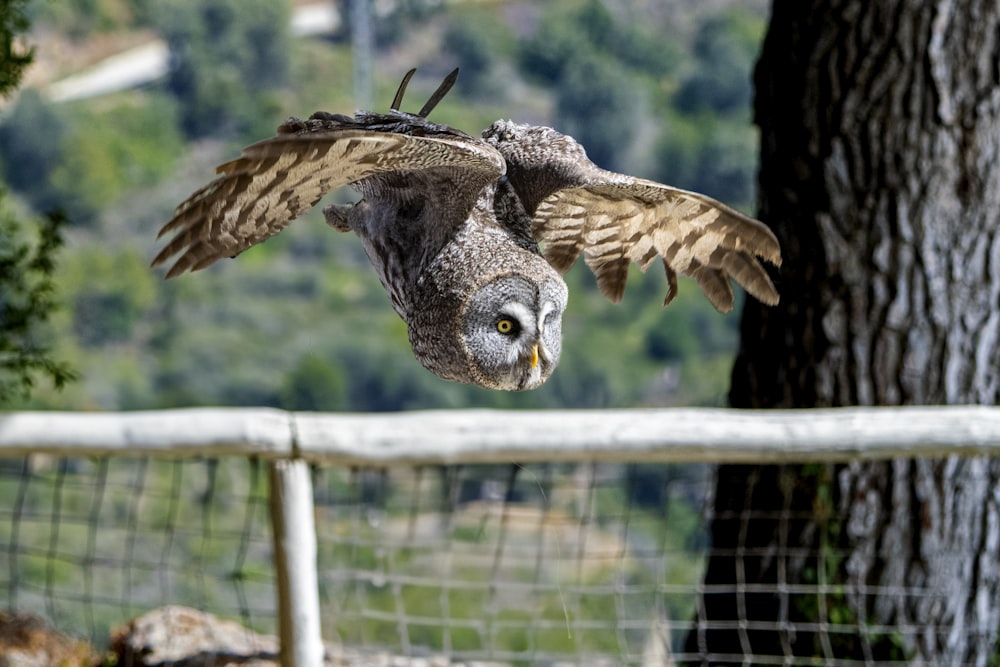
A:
(237, 334)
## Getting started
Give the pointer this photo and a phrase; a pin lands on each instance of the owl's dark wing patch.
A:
(277, 180)
(613, 219)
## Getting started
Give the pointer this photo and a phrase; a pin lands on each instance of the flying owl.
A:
(469, 236)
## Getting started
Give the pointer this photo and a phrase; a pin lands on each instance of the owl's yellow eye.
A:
(505, 326)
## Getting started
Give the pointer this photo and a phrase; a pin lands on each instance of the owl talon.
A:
(336, 216)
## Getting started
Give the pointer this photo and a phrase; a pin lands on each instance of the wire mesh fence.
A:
(539, 564)
(587, 562)
(91, 543)
(528, 564)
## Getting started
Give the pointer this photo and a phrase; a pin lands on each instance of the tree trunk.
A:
(880, 174)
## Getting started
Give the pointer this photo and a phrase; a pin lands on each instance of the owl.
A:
(469, 236)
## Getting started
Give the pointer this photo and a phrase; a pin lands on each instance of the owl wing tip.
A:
(724, 309)
(769, 297)
(761, 287)
(174, 271)
(671, 282)
(769, 250)
(613, 292)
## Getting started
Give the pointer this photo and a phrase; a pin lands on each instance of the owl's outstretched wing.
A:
(620, 220)
(277, 180)
(613, 220)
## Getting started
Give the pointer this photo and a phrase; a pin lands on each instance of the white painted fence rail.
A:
(293, 440)
(484, 436)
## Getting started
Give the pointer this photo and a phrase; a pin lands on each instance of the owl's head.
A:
(511, 330)
(500, 330)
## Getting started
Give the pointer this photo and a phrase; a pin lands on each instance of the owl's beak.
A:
(534, 356)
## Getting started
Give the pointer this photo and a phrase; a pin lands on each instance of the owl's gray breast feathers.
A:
(467, 272)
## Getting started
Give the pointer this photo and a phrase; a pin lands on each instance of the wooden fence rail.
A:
(291, 441)
(487, 436)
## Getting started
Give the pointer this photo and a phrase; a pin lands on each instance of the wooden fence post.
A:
(294, 530)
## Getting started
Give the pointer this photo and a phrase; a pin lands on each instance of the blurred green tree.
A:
(32, 138)
(80, 162)
(478, 44)
(224, 55)
(26, 299)
(111, 293)
(15, 57)
(597, 105)
(82, 18)
(724, 48)
(590, 28)
(26, 302)
(709, 153)
(314, 384)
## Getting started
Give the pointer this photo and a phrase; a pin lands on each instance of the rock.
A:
(28, 641)
(176, 636)
(184, 637)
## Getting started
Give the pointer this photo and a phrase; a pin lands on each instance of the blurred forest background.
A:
(656, 89)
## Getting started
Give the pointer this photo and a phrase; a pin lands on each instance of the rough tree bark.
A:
(880, 174)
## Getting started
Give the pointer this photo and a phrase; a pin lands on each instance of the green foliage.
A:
(711, 154)
(686, 329)
(26, 302)
(81, 18)
(301, 321)
(545, 55)
(593, 61)
(315, 383)
(26, 267)
(597, 102)
(224, 55)
(408, 19)
(724, 47)
(571, 30)
(82, 161)
(111, 293)
(477, 42)
(14, 57)
(32, 139)
(110, 152)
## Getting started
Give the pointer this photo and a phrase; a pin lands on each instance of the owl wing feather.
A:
(276, 180)
(613, 219)
(616, 220)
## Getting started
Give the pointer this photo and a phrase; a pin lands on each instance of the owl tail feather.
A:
(439, 94)
(398, 99)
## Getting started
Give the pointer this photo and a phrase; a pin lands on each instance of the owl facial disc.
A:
(512, 329)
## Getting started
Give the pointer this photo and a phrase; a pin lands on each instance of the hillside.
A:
(301, 322)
